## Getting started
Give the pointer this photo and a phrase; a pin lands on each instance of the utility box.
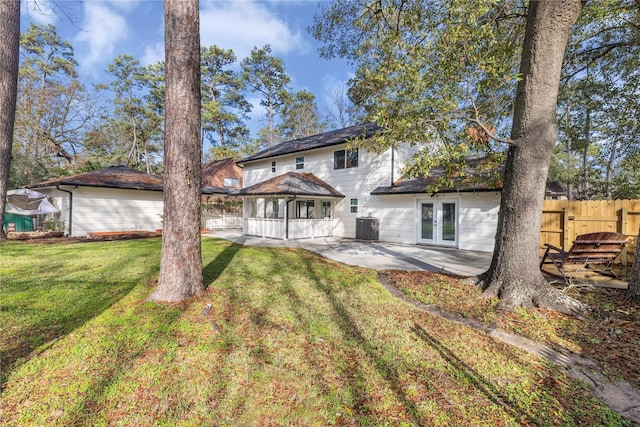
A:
(367, 228)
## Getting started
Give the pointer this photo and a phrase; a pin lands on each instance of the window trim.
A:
(300, 162)
(346, 159)
(273, 166)
(353, 207)
(309, 207)
(326, 207)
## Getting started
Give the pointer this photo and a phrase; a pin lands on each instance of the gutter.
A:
(70, 206)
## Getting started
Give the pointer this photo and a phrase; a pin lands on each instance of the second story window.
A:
(345, 159)
(299, 162)
(273, 167)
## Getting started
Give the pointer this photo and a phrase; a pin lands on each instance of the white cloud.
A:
(103, 29)
(241, 25)
(153, 54)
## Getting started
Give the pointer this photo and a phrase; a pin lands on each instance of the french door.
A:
(438, 222)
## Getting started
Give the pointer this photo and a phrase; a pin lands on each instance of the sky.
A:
(100, 30)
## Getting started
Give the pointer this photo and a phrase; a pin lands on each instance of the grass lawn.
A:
(289, 339)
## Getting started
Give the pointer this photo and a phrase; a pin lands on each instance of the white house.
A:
(330, 185)
(117, 198)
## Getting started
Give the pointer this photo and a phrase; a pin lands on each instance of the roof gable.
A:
(210, 170)
(321, 140)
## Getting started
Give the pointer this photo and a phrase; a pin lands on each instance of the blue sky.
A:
(100, 30)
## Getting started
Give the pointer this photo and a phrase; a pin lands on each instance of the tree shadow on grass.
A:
(125, 357)
(54, 322)
(214, 269)
(387, 367)
(50, 306)
(489, 390)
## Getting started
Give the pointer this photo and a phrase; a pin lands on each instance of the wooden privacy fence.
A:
(563, 220)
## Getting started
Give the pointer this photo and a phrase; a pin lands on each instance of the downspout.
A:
(70, 206)
(393, 163)
(286, 218)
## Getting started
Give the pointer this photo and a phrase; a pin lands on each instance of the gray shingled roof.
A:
(122, 177)
(472, 180)
(321, 140)
(291, 184)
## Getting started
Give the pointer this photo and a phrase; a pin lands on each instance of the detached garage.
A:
(115, 199)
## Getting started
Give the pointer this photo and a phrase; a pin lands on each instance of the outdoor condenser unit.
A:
(367, 228)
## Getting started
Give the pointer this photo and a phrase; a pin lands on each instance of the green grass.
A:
(291, 339)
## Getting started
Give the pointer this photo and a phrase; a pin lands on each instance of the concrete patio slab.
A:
(376, 255)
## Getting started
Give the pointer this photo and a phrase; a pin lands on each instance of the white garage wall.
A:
(108, 209)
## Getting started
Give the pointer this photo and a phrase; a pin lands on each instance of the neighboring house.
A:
(117, 198)
(223, 173)
(327, 185)
(555, 191)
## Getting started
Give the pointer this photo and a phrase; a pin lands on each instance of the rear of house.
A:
(370, 199)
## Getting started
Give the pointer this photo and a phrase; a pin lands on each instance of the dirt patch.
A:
(120, 235)
(49, 240)
(31, 235)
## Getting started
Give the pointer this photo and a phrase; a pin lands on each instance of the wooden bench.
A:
(588, 249)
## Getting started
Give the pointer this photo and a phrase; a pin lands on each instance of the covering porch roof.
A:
(291, 184)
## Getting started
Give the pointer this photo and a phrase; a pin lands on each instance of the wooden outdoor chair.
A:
(588, 249)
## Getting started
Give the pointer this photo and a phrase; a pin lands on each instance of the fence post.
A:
(624, 222)
(565, 228)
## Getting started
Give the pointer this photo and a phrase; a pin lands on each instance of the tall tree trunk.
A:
(633, 291)
(514, 274)
(9, 59)
(569, 158)
(608, 175)
(181, 260)
(585, 156)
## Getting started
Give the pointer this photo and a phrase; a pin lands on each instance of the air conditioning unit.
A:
(367, 228)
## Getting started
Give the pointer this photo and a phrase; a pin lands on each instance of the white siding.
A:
(397, 217)
(108, 209)
(478, 221)
(374, 170)
(397, 214)
(477, 218)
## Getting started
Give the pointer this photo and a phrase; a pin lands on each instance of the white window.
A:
(326, 209)
(231, 182)
(299, 162)
(354, 205)
(273, 167)
(345, 159)
(271, 208)
(305, 208)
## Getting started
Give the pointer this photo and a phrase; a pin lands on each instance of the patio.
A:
(391, 256)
